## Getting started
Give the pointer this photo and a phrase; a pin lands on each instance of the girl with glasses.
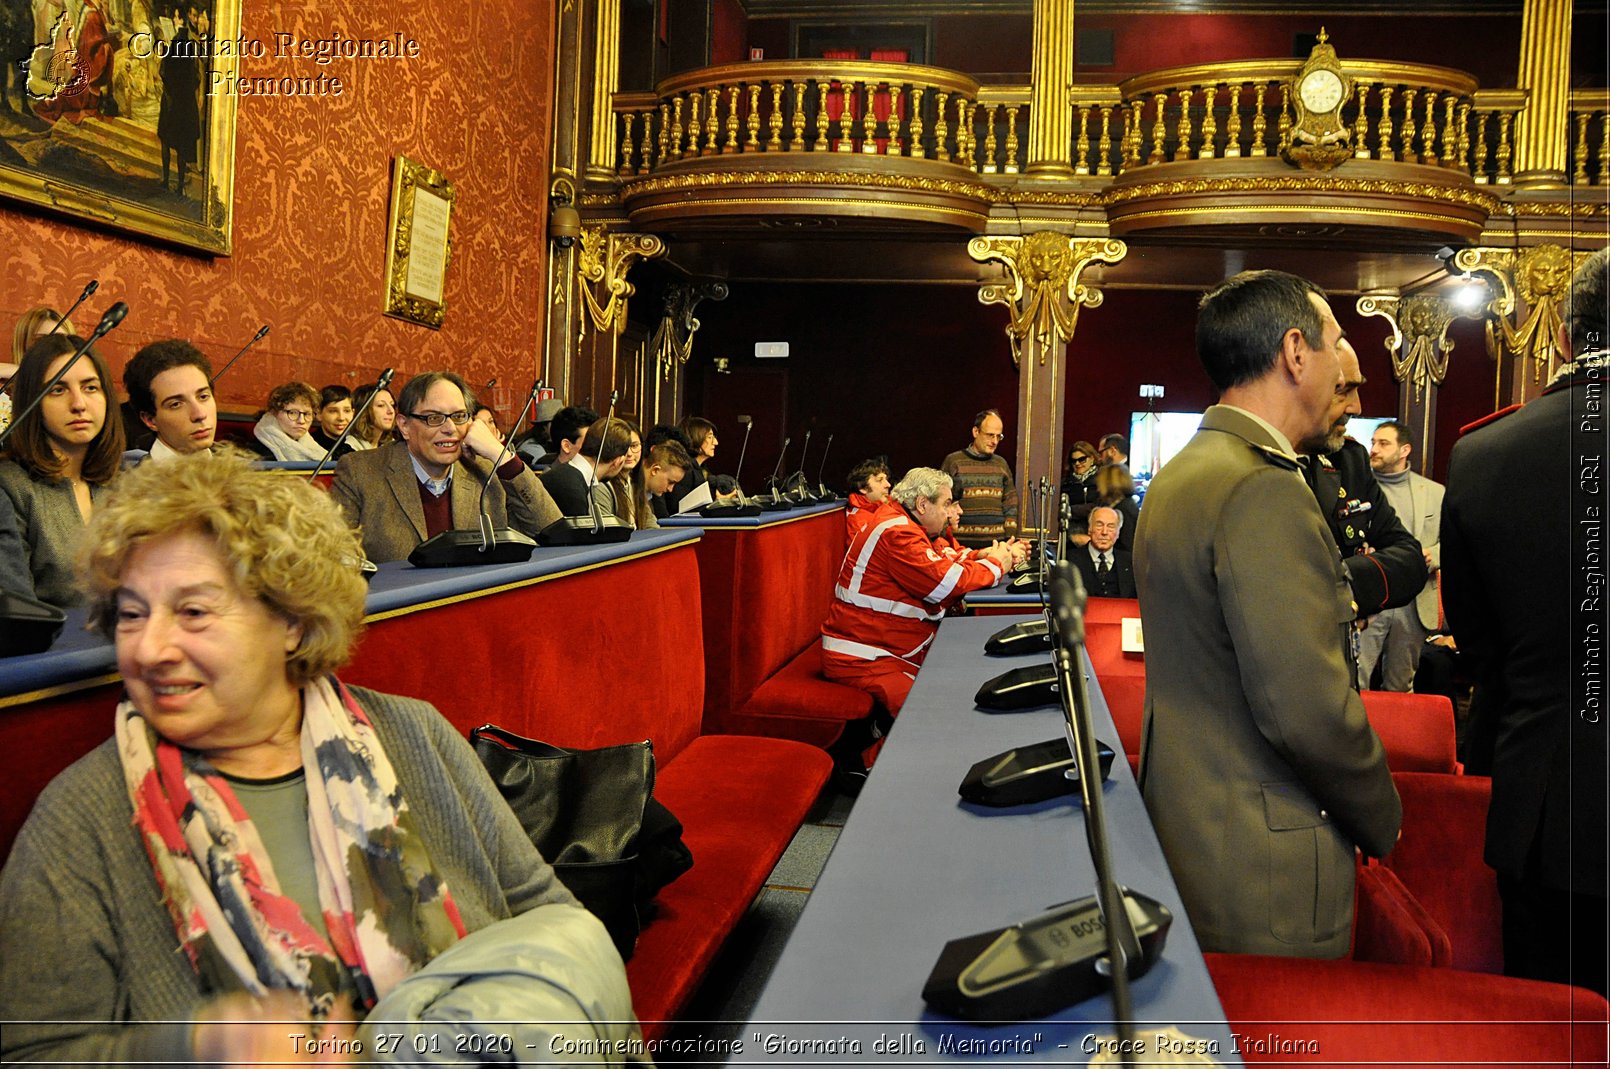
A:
(283, 429)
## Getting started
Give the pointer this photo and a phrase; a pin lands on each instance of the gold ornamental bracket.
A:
(1419, 345)
(673, 338)
(1538, 278)
(604, 260)
(1043, 292)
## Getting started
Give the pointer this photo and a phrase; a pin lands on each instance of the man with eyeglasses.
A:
(430, 480)
(983, 484)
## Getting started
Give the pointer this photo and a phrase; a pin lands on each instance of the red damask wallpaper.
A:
(312, 190)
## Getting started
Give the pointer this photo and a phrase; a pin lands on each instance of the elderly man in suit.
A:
(1107, 571)
(1258, 767)
(1523, 584)
(430, 480)
(1396, 637)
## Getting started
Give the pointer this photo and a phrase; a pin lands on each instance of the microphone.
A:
(89, 291)
(801, 492)
(777, 502)
(1047, 963)
(380, 384)
(574, 530)
(743, 507)
(822, 492)
(261, 331)
(112, 317)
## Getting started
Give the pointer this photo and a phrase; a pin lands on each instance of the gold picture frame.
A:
(87, 129)
(419, 246)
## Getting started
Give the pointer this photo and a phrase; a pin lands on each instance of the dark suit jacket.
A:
(1258, 766)
(379, 492)
(1120, 581)
(1393, 572)
(1516, 590)
(568, 488)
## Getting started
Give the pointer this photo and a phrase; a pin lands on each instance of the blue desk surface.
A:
(765, 519)
(915, 867)
(398, 587)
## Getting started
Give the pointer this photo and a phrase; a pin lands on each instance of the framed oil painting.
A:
(122, 112)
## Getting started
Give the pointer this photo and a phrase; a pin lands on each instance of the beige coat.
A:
(1258, 766)
(379, 492)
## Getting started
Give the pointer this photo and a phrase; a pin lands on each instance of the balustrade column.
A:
(1542, 130)
(1051, 89)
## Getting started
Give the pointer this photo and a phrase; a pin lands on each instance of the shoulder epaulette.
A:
(1275, 456)
(1489, 418)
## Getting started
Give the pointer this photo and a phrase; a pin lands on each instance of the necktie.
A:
(1101, 565)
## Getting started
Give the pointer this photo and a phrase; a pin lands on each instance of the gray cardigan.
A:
(89, 948)
(50, 527)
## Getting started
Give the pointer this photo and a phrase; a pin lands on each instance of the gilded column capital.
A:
(603, 261)
(1419, 345)
(1042, 292)
(673, 338)
(1536, 278)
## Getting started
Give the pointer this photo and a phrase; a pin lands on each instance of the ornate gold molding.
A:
(1585, 208)
(1043, 294)
(606, 258)
(684, 182)
(673, 338)
(1473, 198)
(1540, 277)
(1419, 345)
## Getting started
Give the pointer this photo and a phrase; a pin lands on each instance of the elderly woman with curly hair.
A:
(257, 841)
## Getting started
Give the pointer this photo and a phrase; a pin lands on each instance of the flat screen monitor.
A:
(1155, 437)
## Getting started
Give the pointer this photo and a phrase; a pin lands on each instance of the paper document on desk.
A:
(1129, 636)
(700, 495)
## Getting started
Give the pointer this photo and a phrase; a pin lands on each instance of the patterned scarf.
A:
(386, 909)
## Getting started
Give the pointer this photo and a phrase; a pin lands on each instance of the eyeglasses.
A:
(1080, 458)
(297, 415)
(436, 419)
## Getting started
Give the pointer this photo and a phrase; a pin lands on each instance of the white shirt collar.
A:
(161, 451)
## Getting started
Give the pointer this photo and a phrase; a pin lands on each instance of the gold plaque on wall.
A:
(419, 246)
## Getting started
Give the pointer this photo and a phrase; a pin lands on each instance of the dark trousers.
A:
(1553, 934)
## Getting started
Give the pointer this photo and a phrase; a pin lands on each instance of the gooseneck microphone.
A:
(822, 492)
(488, 534)
(329, 455)
(777, 502)
(110, 319)
(89, 291)
(801, 492)
(743, 506)
(595, 528)
(261, 333)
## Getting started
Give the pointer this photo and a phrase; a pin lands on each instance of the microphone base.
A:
(775, 505)
(1026, 583)
(581, 531)
(1028, 774)
(725, 512)
(464, 549)
(1042, 966)
(1030, 636)
(27, 625)
(1021, 688)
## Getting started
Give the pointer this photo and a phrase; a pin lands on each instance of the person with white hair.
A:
(894, 588)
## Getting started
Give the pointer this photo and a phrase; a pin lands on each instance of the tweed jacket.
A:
(1258, 767)
(379, 492)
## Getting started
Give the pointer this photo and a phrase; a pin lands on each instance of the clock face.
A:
(1321, 91)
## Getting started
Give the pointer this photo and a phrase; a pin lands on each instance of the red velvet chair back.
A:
(1111, 610)
(1439, 859)
(1126, 700)
(1366, 1014)
(1105, 643)
(1416, 729)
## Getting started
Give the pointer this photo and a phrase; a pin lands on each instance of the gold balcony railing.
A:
(1398, 112)
(812, 106)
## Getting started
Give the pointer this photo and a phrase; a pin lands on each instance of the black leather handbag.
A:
(593, 816)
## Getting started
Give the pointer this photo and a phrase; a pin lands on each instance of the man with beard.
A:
(1384, 562)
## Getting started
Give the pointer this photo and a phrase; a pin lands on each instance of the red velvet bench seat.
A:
(798, 702)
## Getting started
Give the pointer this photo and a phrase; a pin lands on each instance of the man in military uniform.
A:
(1258, 767)
(1384, 562)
